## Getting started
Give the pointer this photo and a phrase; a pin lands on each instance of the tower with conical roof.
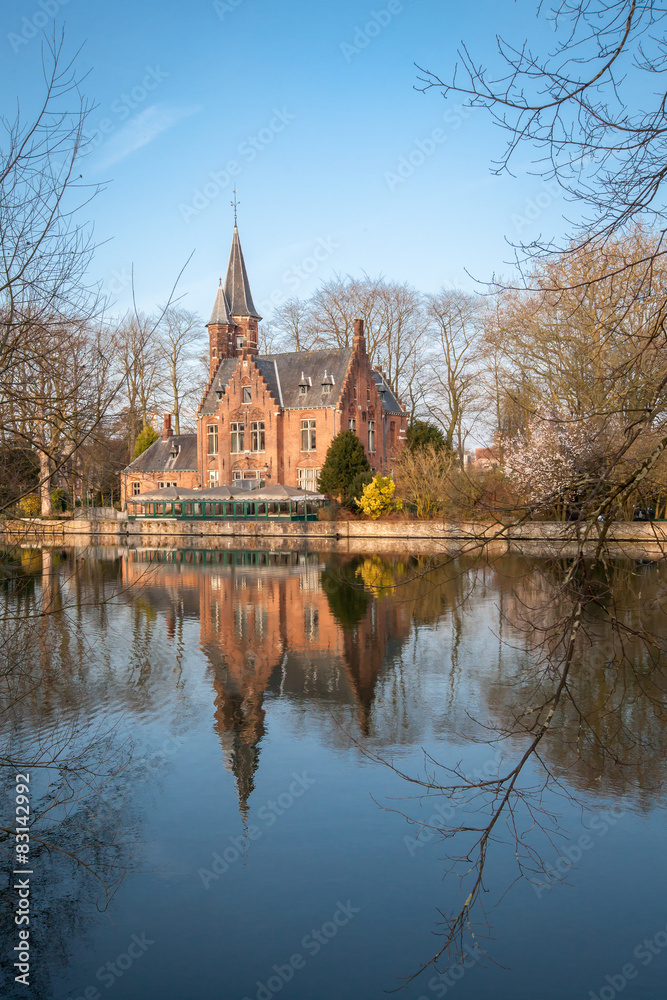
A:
(233, 326)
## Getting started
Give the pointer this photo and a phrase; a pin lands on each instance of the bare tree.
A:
(454, 363)
(56, 394)
(394, 326)
(293, 325)
(177, 347)
(139, 366)
(45, 251)
(592, 109)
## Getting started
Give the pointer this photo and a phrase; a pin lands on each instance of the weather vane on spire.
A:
(235, 204)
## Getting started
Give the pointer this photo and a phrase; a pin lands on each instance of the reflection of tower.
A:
(240, 727)
(242, 636)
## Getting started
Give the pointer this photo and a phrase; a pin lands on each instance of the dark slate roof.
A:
(389, 401)
(158, 458)
(222, 376)
(237, 287)
(283, 374)
(313, 365)
(220, 312)
(269, 370)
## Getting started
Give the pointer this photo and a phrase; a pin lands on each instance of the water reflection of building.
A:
(271, 623)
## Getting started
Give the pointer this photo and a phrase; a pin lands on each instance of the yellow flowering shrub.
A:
(30, 506)
(378, 497)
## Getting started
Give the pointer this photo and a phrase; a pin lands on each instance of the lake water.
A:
(228, 737)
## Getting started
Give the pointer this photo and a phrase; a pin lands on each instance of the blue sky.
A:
(311, 110)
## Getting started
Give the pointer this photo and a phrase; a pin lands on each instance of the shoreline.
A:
(635, 538)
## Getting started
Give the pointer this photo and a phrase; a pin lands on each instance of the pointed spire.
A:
(221, 313)
(237, 287)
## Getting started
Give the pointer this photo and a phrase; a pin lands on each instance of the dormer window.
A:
(327, 382)
(174, 451)
(304, 385)
(219, 393)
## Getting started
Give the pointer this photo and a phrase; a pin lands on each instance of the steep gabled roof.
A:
(237, 287)
(221, 314)
(269, 371)
(158, 457)
(226, 369)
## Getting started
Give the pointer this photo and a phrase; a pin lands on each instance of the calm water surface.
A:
(248, 706)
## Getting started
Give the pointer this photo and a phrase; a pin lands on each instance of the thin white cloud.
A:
(141, 130)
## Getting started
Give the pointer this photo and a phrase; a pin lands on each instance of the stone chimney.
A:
(167, 432)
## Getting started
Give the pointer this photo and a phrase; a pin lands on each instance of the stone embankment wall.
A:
(419, 537)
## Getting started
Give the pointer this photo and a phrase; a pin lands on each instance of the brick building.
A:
(271, 417)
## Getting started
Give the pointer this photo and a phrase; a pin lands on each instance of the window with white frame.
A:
(213, 478)
(212, 435)
(257, 435)
(307, 479)
(239, 474)
(352, 425)
(166, 484)
(371, 435)
(326, 388)
(308, 436)
(247, 394)
(238, 437)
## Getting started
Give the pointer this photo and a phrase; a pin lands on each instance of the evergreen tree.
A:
(345, 461)
(422, 433)
(145, 439)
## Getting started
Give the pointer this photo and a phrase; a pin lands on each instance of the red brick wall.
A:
(361, 402)
(283, 456)
(232, 409)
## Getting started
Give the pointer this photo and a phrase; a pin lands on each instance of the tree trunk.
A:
(45, 481)
(44, 467)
